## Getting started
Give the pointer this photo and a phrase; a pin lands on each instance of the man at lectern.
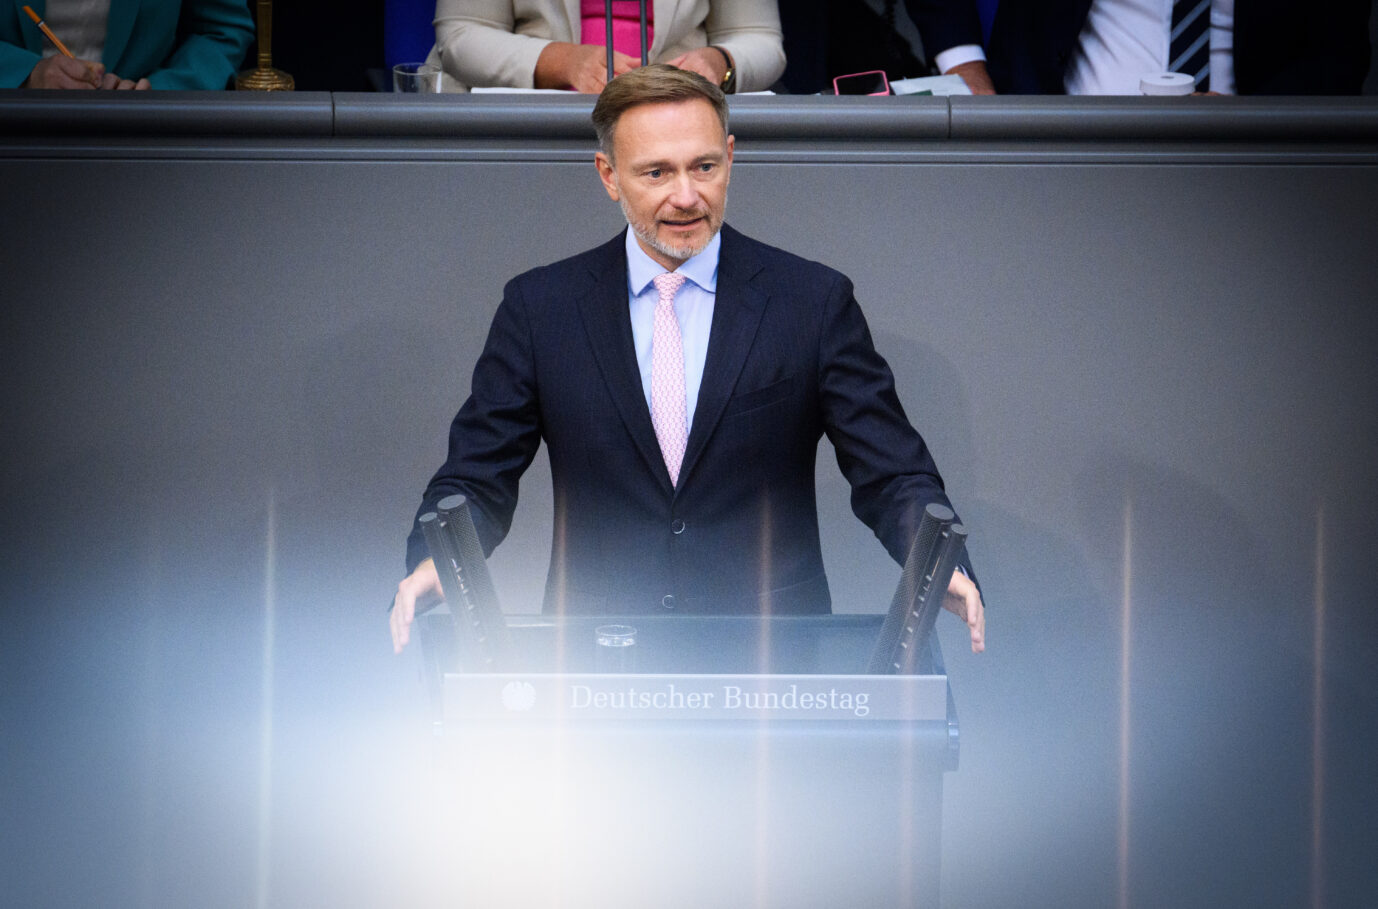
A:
(681, 376)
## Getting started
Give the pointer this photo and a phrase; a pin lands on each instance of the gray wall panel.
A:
(232, 375)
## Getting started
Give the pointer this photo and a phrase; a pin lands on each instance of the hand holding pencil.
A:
(67, 71)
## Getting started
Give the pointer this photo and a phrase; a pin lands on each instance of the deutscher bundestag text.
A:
(727, 697)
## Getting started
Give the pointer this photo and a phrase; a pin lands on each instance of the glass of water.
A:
(409, 78)
(616, 648)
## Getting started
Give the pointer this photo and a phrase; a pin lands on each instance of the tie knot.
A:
(668, 284)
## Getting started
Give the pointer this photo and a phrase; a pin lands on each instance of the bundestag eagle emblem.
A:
(519, 696)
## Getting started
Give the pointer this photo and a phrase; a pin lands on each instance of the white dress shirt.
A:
(956, 56)
(693, 309)
(1124, 40)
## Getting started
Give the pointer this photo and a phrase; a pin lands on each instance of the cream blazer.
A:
(496, 42)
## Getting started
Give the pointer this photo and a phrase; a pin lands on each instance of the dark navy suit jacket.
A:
(789, 360)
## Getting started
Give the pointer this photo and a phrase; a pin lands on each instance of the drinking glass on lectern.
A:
(616, 650)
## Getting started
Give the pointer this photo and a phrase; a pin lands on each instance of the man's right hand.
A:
(421, 587)
(66, 72)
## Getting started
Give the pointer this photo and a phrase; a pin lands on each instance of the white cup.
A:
(1166, 84)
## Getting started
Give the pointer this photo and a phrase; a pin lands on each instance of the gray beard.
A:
(682, 253)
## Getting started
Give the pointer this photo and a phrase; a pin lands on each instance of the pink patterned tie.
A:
(669, 409)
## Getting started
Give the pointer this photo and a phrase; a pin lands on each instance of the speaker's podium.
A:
(717, 762)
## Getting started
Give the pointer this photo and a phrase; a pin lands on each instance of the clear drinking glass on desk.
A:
(410, 78)
(616, 648)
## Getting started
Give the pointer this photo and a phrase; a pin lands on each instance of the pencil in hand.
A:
(57, 43)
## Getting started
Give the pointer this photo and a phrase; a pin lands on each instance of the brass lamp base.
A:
(264, 79)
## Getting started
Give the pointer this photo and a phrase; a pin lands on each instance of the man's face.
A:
(669, 172)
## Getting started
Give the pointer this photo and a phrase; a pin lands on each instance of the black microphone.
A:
(643, 33)
(481, 634)
(933, 556)
(607, 22)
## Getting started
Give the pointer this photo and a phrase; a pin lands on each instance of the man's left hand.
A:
(964, 601)
(705, 61)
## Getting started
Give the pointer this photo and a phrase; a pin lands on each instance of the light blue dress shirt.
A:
(693, 308)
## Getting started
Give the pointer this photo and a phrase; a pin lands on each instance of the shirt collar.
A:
(701, 269)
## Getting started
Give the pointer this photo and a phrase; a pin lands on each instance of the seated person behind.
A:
(1104, 47)
(126, 44)
(735, 44)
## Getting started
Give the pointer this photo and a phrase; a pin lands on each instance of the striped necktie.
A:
(1189, 45)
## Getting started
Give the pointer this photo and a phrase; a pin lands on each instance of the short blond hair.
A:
(658, 83)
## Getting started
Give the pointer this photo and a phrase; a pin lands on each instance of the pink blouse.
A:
(626, 26)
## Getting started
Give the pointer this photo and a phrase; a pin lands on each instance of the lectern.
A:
(734, 761)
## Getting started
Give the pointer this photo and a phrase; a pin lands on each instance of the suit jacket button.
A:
(677, 526)
(668, 601)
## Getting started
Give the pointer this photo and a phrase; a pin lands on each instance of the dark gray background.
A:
(1145, 369)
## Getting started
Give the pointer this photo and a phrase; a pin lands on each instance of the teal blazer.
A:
(196, 44)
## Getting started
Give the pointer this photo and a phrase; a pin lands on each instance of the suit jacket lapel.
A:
(662, 25)
(118, 30)
(603, 307)
(573, 18)
(737, 310)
